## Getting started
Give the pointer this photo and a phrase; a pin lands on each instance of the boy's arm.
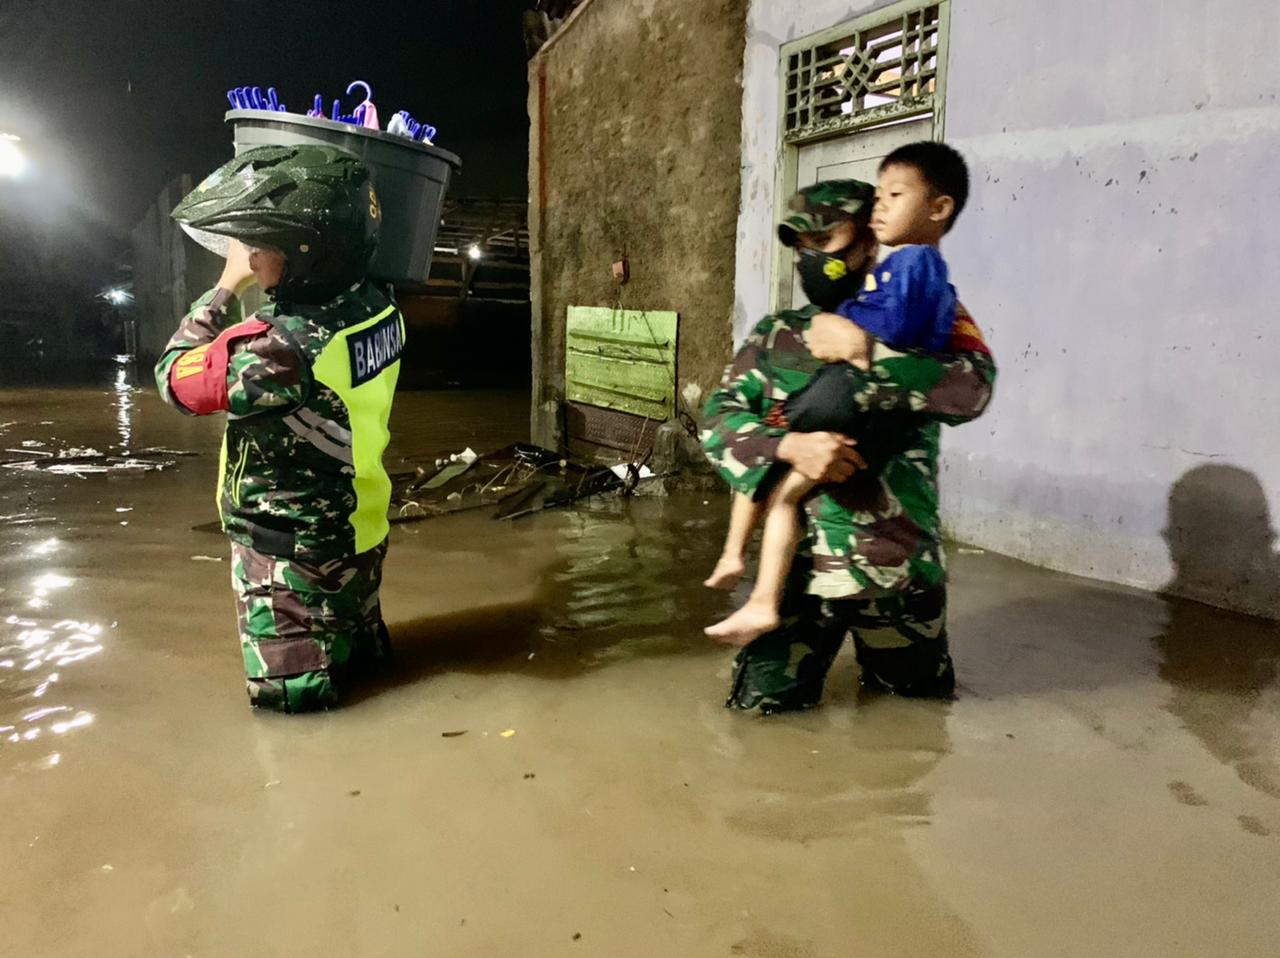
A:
(953, 387)
(216, 362)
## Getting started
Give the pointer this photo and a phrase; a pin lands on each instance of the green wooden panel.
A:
(622, 359)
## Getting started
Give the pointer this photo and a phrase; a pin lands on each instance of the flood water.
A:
(1106, 783)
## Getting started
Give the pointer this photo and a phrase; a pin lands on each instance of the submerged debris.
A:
(517, 480)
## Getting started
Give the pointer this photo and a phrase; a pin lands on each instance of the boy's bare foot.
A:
(726, 573)
(744, 626)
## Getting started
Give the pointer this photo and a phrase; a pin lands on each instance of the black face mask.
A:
(826, 278)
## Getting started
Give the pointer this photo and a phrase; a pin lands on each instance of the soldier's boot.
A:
(939, 683)
(307, 692)
(386, 655)
(785, 670)
(901, 640)
(371, 653)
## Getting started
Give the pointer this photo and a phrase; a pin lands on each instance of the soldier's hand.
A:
(834, 339)
(237, 275)
(821, 456)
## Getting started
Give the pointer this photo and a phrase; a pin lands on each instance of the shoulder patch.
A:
(374, 349)
(966, 337)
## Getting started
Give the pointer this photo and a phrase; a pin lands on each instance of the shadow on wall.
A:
(1225, 667)
(1221, 541)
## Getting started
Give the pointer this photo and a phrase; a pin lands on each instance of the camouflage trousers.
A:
(304, 627)
(900, 641)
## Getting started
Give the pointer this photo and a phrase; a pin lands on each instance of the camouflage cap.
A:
(817, 208)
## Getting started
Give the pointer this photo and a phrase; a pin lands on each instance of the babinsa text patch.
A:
(374, 349)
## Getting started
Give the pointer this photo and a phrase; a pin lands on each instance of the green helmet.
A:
(818, 207)
(315, 204)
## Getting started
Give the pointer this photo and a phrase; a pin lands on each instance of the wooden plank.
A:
(622, 359)
(626, 386)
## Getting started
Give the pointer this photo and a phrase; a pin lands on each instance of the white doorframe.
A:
(928, 113)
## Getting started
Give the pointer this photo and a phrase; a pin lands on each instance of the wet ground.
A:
(1107, 783)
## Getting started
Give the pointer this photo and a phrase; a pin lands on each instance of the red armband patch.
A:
(198, 379)
(966, 337)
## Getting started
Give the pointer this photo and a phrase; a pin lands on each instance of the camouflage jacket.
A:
(280, 493)
(877, 532)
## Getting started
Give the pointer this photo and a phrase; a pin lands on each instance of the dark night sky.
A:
(113, 98)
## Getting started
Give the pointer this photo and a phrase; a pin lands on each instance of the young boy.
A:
(907, 303)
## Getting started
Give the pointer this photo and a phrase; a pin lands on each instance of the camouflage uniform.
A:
(306, 600)
(304, 623)
(872, 562)
(307, 387)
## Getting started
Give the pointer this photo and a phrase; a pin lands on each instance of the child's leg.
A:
(742, 519)
(777, 549)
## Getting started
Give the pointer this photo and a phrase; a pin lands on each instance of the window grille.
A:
(863, 76)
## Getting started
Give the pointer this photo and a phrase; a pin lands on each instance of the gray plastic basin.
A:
(411, 179)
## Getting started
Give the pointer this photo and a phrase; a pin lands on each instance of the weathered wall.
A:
(634, 146)
(169, 271)
(1119, 251)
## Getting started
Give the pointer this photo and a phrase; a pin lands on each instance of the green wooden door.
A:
(622, 359)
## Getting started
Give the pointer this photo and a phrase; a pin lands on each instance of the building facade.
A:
(1115, 250)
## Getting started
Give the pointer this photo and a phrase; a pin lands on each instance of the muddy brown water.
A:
(1107, 782)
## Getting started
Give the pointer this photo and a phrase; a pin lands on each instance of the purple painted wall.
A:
(1120, 251)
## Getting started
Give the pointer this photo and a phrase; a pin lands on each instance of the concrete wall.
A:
(1120, 252)
(634, 146)
(169, 271)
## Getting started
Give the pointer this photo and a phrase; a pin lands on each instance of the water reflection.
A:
(621, 589)
(32, 654)
(45, 548)
(43, 586)
(123, 394)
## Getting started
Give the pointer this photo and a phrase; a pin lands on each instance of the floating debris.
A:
(163, 451)
(517, 480)
(624, 469)
(21, 519)
(452, 468)
(76, 461)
